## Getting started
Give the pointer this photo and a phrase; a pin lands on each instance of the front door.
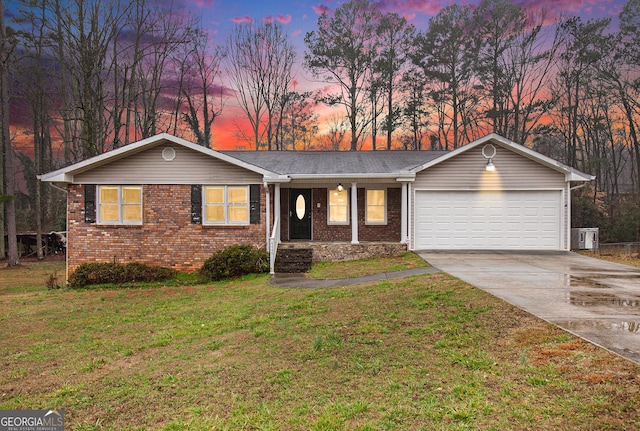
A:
(300, 214)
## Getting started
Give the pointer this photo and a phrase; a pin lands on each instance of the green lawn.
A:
(427, 352)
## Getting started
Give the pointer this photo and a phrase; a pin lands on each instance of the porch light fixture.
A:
(489, 152)
(340, 188)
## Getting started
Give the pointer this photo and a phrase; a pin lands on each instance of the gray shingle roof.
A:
(336, 162)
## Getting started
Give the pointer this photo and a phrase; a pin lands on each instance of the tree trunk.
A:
(12, 258)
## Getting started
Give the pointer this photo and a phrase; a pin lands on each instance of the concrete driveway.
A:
(591, 298)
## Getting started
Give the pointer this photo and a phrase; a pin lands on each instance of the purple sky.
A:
(301, 16)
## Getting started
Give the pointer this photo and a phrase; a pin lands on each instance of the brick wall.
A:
(321, 231)
(166, 237)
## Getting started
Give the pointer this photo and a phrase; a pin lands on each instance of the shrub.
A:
(106, 273)
(235, 261)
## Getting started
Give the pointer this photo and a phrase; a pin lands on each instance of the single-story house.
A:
(166, 201)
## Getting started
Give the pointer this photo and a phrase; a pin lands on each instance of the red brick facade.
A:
(166, 237)
(322, 231)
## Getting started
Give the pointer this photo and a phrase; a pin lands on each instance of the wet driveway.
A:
(594, 299)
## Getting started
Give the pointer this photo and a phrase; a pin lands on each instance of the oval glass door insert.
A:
(301, 207)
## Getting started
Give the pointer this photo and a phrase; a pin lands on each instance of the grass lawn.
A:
(428, 352)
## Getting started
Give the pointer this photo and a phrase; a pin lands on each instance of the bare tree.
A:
(585, 45)
(342, 51)
(624, 76)
(415, 114)
(205, 99)
(447, 53)
(34, 68)
(396, 36)
(8, 198)
(259, 60)
(299, 122)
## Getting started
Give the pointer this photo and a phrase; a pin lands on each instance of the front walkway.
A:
(304, 281)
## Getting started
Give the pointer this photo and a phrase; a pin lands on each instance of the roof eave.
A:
(404, 176)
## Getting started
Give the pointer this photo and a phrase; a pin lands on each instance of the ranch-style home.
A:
(166, 201)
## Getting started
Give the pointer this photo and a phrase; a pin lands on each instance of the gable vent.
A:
(168, 154)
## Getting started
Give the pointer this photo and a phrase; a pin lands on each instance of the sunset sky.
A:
(301, 16)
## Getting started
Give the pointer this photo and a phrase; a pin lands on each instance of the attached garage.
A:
(489, 219)
(492, 194)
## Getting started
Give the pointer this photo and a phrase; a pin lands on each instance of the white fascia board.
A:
(343, 176)
(65, 175)
(280, 179)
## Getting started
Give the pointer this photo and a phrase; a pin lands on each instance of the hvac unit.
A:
(585, 238)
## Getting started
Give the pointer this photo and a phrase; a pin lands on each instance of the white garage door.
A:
(527, 219)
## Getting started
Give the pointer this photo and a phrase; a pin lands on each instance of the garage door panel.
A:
(488, 220)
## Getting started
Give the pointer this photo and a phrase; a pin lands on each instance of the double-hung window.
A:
(339, 206)
(120, 205)
(226, 205)
(376, 212)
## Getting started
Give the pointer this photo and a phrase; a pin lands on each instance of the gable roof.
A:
(283, 166)
(66, 174)
(571, 174)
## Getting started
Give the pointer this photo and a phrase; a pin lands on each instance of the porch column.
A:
(410, 246)
(354, 214)
(276, 209)
(404, 233)
(268, 215)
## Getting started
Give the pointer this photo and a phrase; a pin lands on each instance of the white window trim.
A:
(338, 223)
(366, 206)
(120, 221)
(226, 206)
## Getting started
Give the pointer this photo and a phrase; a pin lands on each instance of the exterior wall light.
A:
(340, 188)
(489, 152)
(490, 166)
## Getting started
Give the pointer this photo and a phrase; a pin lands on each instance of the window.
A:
(338, 207)
(376, 207)
(120, 204)
(226, 205)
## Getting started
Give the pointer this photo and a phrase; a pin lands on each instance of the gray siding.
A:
(188, 167)
(467, 171)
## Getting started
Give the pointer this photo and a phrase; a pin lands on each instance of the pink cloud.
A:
(572, 6)
(320, 9)
(404, 7)
(201, 3)
(267, 19)
(296, 33)
(409, 16)
(283, 19)
(240, 19)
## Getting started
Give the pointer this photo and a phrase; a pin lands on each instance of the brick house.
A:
(166, 201)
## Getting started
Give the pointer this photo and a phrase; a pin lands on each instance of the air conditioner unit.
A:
(585, 238)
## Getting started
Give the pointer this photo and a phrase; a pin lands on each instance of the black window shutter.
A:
(196, 204)
(90, 203)
(254, 204)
